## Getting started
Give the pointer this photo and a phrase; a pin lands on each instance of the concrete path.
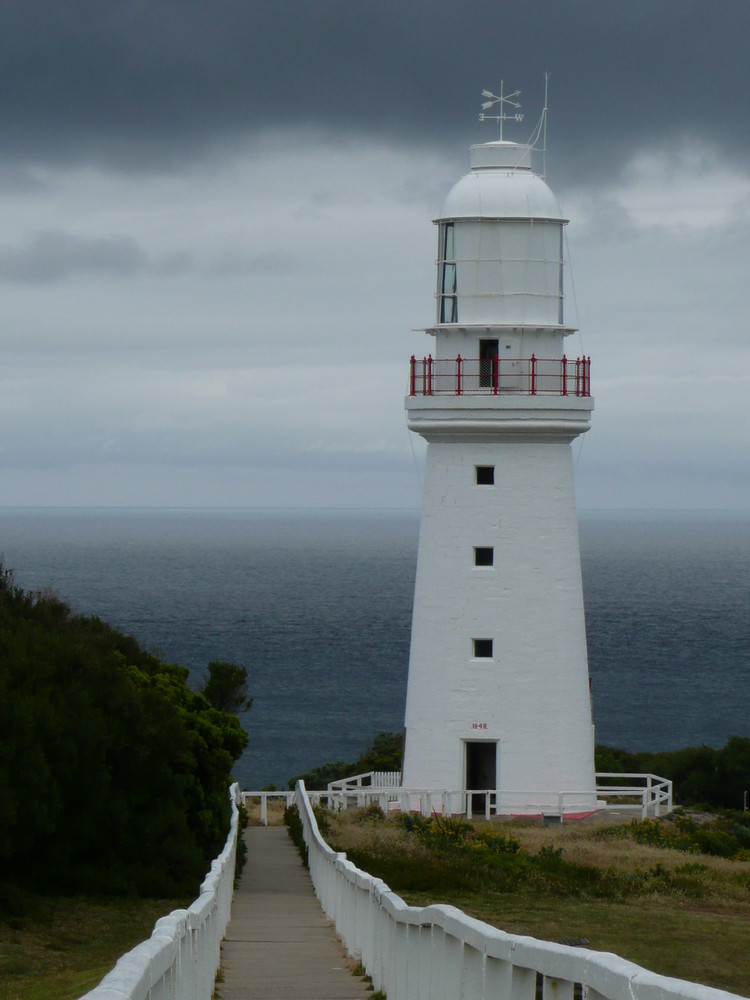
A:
(279, 943)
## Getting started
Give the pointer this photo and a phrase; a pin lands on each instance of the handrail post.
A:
(413, 377)
(533, 375)
(429, 374)
(564, 376)
(458, 375)
(495, 373)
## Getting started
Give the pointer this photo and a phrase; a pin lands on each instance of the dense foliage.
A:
(702, 776)
(725, 836)
(113, 772)
(383, 754)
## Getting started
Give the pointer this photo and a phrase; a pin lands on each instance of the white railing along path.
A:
(180, 959)
(439, 953)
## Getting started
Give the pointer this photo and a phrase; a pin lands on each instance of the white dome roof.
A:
(501, 185)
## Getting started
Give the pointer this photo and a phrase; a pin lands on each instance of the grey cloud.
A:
(52, 255)
(234, 262)
(148, 86)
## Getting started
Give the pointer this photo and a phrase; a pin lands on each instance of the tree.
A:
(226, 687)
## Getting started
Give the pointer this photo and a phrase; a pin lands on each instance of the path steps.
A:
(279, 943)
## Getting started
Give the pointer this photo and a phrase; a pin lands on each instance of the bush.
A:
(113, 773)
(294, 827)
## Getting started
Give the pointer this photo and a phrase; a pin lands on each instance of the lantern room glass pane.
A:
(447, 298)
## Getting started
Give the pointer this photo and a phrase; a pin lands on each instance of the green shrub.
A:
(241, 856)
(294, 827)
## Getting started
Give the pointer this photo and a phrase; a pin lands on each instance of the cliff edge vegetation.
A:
(113, 772)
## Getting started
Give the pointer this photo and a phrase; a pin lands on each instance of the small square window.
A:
(485, 475)
(482, 649)
(484, 555)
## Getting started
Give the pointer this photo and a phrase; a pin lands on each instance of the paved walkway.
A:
(279, 943)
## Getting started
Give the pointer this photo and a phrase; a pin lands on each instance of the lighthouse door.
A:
(481, 771)
(487, 362)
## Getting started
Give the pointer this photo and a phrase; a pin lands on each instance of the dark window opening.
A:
(485, 475)
(483, 649)
(484, 556)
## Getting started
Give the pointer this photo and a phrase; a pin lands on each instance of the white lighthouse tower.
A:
(498, 691)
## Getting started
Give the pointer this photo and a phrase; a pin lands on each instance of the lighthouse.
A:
(498, 694)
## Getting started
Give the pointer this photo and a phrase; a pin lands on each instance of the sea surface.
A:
(317, 605)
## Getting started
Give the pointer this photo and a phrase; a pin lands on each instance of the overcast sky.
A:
(216, 240)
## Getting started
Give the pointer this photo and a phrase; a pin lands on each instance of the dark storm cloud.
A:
(147, 84)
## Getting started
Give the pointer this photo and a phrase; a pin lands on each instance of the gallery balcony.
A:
(500, 376)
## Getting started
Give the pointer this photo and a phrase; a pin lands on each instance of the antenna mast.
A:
(544, 128)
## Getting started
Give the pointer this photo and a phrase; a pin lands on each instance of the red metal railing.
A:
(500, 376)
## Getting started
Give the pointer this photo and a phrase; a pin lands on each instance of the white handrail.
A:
(181, 957)
(437, 952)
(653, 792)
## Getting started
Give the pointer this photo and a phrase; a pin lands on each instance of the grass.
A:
(61, 947)
(677, 912)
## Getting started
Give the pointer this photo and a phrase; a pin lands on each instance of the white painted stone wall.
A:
(533, 696)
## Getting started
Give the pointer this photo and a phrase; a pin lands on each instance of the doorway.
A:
(481, 771)
(487, 363)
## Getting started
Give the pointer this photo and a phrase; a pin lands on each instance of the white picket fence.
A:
(180, 959)
(381, 779)
(439, 953)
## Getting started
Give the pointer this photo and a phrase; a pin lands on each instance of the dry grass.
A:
(585, 842)
(275, 811)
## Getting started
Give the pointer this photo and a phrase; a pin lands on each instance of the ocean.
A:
(317, 605)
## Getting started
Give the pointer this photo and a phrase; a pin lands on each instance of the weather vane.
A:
(502, 100)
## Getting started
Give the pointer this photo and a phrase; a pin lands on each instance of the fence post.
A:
(429, 374)
(564, 375)
(533, 375)
(458, 375)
